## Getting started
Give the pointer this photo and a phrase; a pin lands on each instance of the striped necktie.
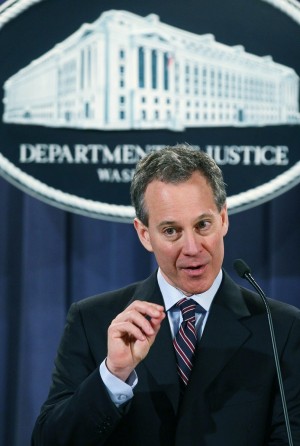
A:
(186, 338)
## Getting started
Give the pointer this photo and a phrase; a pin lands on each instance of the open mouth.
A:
(193, 269)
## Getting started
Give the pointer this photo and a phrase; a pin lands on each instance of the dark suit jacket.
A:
(232, 398)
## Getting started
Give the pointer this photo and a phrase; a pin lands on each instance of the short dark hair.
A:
(174, 164)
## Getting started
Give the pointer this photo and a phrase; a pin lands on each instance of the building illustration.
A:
(126, 72)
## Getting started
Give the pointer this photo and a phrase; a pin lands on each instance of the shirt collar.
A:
(172, 295)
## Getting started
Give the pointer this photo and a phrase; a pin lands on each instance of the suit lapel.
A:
(224, 334)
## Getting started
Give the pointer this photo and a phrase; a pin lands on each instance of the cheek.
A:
(215, 246)
(165, 254)
(218, 248)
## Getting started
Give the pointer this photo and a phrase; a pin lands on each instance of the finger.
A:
(141, 316)
(127, 329)
(136, 319)
(156, 322)
(146, 308)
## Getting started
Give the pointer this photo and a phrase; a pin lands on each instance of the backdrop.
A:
(50, 258)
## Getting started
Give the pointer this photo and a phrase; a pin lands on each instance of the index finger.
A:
(147, 308)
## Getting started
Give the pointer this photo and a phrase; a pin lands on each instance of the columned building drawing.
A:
(127, 72)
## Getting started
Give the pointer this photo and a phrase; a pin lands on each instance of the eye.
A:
(169, 231)
(204, 225)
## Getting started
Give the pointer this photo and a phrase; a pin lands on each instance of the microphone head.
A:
(241, 268)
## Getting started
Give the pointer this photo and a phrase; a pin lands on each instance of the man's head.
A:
(180, 202)
(174, 164)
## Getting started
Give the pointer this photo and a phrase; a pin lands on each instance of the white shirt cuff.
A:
(119, 391)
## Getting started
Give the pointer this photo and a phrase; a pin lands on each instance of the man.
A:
(123, 374)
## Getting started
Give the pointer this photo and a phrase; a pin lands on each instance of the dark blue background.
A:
(50, 258)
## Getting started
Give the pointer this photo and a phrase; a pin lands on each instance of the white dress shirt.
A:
(172, 295)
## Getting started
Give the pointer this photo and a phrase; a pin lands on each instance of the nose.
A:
(191, 244)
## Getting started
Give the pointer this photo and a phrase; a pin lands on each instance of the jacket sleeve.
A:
(290, 366)
(78, 410)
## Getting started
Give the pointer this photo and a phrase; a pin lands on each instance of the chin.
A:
(197, 289)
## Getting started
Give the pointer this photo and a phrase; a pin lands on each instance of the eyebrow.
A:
(173, 222)
(166, 223)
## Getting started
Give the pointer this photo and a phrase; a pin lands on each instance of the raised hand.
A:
(131, 335)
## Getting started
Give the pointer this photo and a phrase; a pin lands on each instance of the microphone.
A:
(244, 272)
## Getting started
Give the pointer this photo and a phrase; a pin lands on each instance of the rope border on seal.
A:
(12, 8)
(236, 203)
(290, 7)
(67, 201)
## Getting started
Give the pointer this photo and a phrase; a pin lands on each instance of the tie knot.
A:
(187, 307)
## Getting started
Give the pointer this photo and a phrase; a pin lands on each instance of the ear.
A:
(143, 233)
(225, 220)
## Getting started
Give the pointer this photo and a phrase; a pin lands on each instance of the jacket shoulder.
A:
(112, 298)
(115, 300)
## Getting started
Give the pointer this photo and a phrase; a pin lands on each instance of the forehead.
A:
(197, 181)
(169, 200)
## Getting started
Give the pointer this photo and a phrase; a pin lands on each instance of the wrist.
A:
(122, 373)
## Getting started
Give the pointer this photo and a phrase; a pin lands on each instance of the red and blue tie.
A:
(186, 338)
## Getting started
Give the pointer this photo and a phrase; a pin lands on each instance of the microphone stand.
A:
(244, 271)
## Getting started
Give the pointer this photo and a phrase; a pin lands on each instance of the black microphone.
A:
(244, 272)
